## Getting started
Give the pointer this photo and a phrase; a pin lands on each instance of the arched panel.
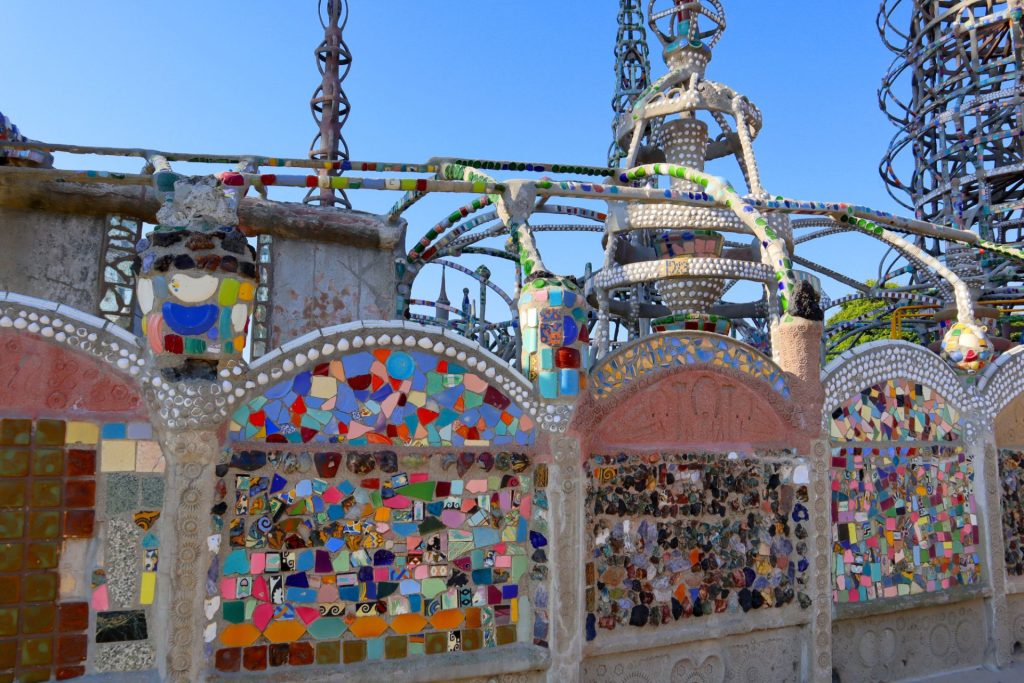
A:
(388, 388)
(382, 498)
(671, 350)
(904, 516)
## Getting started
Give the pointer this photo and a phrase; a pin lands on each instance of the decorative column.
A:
(196, 288)
(819, 645)
(556, 349)
(796, 343)
(567, 596)
(980, 444)
(191, 457)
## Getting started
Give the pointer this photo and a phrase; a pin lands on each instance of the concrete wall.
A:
(52, 256)
(321, 283)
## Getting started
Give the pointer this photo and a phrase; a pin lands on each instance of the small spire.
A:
(442, 298)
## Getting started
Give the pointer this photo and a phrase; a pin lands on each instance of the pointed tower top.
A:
(442, 297)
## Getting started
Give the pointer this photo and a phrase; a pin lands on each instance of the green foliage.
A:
(858, 309)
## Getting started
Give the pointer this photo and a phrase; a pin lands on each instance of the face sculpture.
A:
(967, 345)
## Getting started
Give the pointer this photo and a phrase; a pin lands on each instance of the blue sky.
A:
(524, 80)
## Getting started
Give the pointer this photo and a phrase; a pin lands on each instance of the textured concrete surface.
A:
(1013, 673)
(52, 256)
(316, 284)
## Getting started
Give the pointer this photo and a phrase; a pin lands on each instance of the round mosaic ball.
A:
(967, 345)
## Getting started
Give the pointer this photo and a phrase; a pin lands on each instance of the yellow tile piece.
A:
(323, 387)
(148, 589)
(246, 291)
(117, 455)
(82, 432)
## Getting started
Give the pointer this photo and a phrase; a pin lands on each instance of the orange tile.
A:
(368, 627)
(404, 624)
(239, 635)
(284, 631)
(447, 619)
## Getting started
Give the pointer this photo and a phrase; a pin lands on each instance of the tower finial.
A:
(441, 311)
(681, 24)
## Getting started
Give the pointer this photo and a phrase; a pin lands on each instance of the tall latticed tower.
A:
(329, 104)
(955, 93)
(632, 67)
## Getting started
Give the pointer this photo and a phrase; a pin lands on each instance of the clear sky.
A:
(525, 80)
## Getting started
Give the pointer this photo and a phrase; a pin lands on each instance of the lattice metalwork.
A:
(329, 104)
(632, 67)
(117, 283)
(954, 91)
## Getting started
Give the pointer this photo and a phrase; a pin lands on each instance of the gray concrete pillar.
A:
(318, 283)
(567, 597)
(53, 256)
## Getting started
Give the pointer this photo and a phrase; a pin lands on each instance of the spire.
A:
(442, 298)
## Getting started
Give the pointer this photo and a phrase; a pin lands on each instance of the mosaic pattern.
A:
(345, 557)
(47, 492)
(676, 350)
(385, 397)
(677, 536)
(195, 290)
(1011, 475)
(124, 585)
(896, 410)
(556, 351)
(904, 522)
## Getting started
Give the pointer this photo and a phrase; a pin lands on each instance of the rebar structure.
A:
(954, 91)
(329, 104)
(632, 67)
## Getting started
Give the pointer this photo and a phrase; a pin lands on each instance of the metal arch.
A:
(466, 271)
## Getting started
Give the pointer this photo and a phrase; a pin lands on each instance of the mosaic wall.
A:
(332, 557)
(897, 410)
(123, 583)
(679, 536)
(904, 522)
(386, 397)
(664, 352)
(47, 492)
(1011, 476)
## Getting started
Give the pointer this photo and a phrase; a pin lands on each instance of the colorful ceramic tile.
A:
(898, 410)
(904, 522)
(386, 397)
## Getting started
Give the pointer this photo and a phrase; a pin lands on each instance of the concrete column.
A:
(319, 284)
(567, 597)
(53, 256)
(191, 457)
(818, 647)
(981, 447)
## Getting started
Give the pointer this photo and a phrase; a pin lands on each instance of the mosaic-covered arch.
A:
(904, 518)
(399, 386)
(381, 498)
